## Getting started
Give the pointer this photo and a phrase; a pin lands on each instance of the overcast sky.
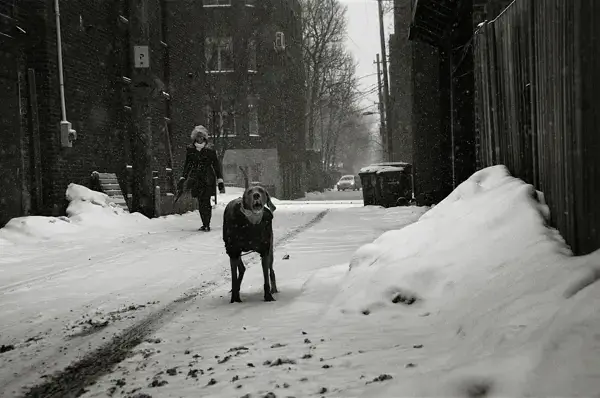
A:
(364, 43)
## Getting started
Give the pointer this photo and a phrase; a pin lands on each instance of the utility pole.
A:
(143, 85)
(382, 129)
(386, 86)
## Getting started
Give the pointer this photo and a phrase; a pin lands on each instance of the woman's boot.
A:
(206, 216)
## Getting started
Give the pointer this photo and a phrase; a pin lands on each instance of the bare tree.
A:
(341, 99)
(358, 142)
(388, 7)
(323, 32)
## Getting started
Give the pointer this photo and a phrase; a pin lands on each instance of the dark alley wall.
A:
(401, 86)
(97, 55)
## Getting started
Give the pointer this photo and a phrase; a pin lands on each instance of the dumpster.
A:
(389, 184)
(368, 178)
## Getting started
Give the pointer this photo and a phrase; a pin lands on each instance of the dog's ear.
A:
(270, 204)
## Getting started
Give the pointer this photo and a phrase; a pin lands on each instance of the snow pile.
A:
(25, 228)
(87, 210)
(91, 208)
(482, 273)
(379, 168)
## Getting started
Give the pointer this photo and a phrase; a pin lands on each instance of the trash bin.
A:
(368, 181)
(394, 185)
(387, 184)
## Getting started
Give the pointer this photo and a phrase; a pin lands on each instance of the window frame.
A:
(204, 3)
(252, 55)
(219, 43)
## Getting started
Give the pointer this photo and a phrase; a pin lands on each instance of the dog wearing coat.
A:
(248, 227)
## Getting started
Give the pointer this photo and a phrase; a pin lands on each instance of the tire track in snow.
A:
(106, 258)
(71, 382)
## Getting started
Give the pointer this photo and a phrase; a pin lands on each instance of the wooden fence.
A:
(537, 73)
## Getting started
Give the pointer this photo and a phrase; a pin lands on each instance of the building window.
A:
(222, 117)
(219, 54)
(216, 3)
(253, 128)
(252, 55)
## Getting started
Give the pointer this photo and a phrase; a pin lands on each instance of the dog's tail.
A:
(246, 180)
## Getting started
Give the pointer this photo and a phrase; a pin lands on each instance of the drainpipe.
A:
(67, 134)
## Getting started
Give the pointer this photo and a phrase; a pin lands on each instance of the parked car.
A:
(348, 182)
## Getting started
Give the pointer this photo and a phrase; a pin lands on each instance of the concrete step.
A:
(110, 185)
(107, 176)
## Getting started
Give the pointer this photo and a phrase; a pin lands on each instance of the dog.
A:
(248, 227)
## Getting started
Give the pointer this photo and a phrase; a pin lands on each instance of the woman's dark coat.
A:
(202, 169)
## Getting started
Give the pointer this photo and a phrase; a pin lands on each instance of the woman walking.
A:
(202, 172)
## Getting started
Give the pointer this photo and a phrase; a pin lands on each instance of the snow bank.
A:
(486, 271)
(87, 210)
(25, 228)
(92, 209)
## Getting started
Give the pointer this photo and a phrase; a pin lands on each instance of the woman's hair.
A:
(199, 131)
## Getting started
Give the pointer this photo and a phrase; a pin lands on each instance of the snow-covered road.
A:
(63, 297)
(478, 298)
(205, 342)
(332, 195)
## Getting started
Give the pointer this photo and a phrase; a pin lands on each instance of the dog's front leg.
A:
(266, 268)
(241, 272)
(235, 281)
(272, 273)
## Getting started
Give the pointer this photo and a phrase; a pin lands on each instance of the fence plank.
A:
(537, 74)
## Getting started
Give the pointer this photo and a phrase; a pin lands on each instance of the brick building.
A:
(36, 165)
(246, 76)
(15, 196)
(95, 54)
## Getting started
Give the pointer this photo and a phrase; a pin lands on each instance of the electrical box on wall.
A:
(279, 41)
(67, 134)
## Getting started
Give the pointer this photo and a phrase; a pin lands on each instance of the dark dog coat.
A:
(240, 235)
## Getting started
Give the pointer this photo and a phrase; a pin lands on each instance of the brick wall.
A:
(401, 74)
(96, 58)
(92, 72)
(278, 82)
(185, 39)
(97, 63)
(14, 182)
(159, 58)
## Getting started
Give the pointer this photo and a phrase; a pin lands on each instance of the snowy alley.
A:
(474, 297)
